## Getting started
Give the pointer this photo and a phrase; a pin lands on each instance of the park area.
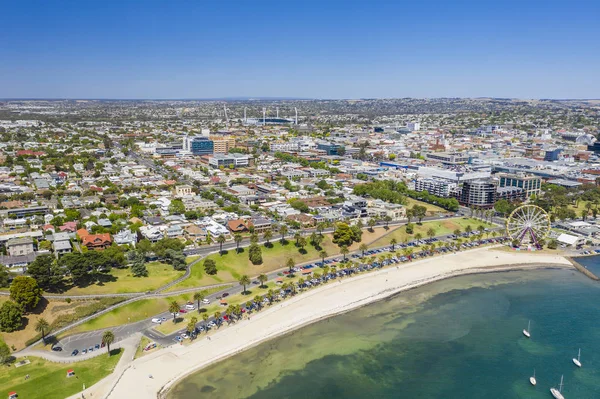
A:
(48, 380)
(121, 281)
(232, 264)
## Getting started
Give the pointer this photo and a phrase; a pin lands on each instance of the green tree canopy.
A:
(25, 291)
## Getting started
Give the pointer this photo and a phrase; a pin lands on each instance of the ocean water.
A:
(592, 263)
(458, 338)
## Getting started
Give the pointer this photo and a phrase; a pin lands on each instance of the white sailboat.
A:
(557, 392)
(532, 380)
(578, 360)
(526, 332)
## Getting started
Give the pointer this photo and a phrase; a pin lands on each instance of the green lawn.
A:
(133, 312)
(441, 227)
(159, 274)
(431, 209)
(48, 380)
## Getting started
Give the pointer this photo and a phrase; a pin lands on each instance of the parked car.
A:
(75, 352)
(225, 294)
(97, 346)
(182, 311)
(57, 349)
(156, 320)
(205, 301)
(190, 307)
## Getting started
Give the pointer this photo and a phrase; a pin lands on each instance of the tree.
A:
(283, 230)
(468, 229)
(263, 279)
(267, 235)
(208, 238)
(244, 281)
(418, 236)
(108, 338)
(410, 228)
(344, 251)
(11, 317)
(25, 292)
(138, 264)
(210, 266)
(409, 215)
(552, 244)
(297, 237)
(4, 352)
(290, 265)
(457, 232)
(176, 259)
(393, 243)
(4, 276)
(176, 207)
(191, 327)
(372, 223)
(419, 211)
(199, 297)
(301, 243)
(387, 219)
(174, 309)
(316, 239)
(323, 254)
(363, 248)
(320, 227)
(144, 246)
(345, 235)
(255, 254)
(237, 237)
(205, 319)
(431, 232)
(45, 271)
(221, 240)
(42, 327)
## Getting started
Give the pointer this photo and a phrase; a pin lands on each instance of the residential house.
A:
(183, 191)
(20, 246)
(194, 233)
(174, 231)
(69, 227)
(150, 233)
(96, 241)
(260, 224)
(237, 226)
(125, 237)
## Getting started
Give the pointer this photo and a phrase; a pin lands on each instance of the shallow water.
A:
(458, 338)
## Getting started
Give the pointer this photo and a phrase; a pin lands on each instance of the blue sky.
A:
(316, 49)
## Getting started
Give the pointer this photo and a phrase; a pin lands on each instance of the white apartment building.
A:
(439, 187)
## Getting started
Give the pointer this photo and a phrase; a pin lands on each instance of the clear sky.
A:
(306, 48)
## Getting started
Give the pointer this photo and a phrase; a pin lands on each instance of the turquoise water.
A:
(590, 262)
(458, 338)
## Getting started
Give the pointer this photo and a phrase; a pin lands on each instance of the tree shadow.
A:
(284, 242)
(41, 306)
(268, 245)
(223, 252)
(303, 251)
(50, 340)
(240, 251)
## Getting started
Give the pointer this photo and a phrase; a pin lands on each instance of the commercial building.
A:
(413, 126)
(439, 187)
(511, 194)
(478, 193)
(198, 145)
(329, 148)
(552, 155)
(448, 158)
(222, 144)
(226, 161)
(530, 183)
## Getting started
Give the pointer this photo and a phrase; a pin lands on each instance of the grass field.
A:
(48, 380)
(441, 227)
(133, 312)
(431, 209)
(232, 265)
(159, 274)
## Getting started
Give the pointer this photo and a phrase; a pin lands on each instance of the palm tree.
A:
(457, 232)
(174, 309)
(191, 327)
(409, 215)
(267, 235)
(393, 243)
(217, 317)
(199, 297)
(270, 296)
(254, 238)
(290, 264)
(297, 237)
(301, 243)
(431, 232)
(344, 251)
(221, 241)
(42, 327)
(387, 220)
(363, 248)
(108, 338)
(320, 227)
(418, 236)
(300, 282)
(258, 301)
(371, 223)
(323, 254)
(262, 278)
(208, 238)
(283, 230)
(244, 281)
(205, 319)
(237, 237)
(468, 229)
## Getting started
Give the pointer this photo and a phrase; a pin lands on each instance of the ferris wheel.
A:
(528, 224)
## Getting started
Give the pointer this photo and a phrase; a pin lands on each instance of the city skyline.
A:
(332, 51)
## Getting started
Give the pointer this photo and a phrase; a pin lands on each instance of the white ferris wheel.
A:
(528, 224)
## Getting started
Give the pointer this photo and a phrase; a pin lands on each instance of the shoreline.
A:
(172, 364)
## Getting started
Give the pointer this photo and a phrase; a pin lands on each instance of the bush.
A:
(410, 228)
(210, 266)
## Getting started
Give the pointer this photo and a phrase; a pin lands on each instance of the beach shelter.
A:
(70, 373)
(12, 395)
(223, 302)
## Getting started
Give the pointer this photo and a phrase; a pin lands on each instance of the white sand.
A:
(171, 364)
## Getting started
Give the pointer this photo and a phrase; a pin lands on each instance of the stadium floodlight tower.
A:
(277, 109)
(245, 120)
(296, 109)
(264, 116)
(226, 117)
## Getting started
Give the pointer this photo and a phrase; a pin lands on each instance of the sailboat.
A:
(532, 380)
(526, 332)
(557, 392)
(578, 361)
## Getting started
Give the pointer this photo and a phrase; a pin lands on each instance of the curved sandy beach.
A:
(171, 364)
